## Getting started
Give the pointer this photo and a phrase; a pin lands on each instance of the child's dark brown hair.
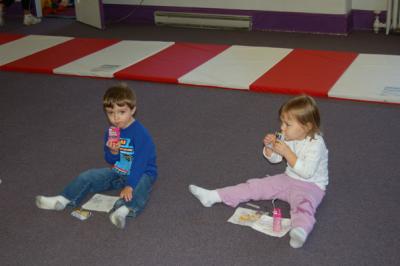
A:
(120, 95)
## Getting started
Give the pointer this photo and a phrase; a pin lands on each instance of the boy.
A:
(132, 159)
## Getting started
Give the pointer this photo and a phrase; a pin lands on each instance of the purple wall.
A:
(262, 20)
(363, 20)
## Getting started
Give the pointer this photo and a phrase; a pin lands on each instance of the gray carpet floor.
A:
(51, 129)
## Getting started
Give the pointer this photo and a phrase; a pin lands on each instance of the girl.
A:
(305, 179)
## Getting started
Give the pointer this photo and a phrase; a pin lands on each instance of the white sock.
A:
(57, 203)
(297, 237)
(205, 196)
(118, 217)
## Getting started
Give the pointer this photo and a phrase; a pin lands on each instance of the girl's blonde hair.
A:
(120, 95)
(304, 109)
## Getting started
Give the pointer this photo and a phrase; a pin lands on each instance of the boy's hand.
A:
(126, 193)
(113, 146)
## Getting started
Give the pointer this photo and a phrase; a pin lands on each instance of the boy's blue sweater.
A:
(137, 154)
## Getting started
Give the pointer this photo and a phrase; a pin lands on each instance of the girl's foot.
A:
(297, 237)
(205, 196)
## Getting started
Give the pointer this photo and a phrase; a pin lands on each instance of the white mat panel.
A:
(106, 62)
(237, 67)
(370, 77)
(28, 45)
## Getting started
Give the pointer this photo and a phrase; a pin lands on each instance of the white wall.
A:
(307, 6)
(369, 4)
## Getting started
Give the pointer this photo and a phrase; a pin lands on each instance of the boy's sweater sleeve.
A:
(144, 150)
(108, 156)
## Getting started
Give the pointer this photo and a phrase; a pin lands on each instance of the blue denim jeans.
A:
(105, 179)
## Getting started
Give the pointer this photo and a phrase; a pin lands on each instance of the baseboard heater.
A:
(202, 20)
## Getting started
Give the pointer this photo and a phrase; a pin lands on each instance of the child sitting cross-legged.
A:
(132, 160)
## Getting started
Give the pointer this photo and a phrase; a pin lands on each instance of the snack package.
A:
(81, 214)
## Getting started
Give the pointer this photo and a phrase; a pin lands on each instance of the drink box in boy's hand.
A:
(114, 134)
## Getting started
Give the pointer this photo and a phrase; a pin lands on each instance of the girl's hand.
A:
(269, 139)
(281, 148)
(126, 193)
(113, 146)
(284, 150)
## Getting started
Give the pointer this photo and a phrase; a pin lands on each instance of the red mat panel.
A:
(6, 37)
(171, 63)
(305, 71)
(47, 60)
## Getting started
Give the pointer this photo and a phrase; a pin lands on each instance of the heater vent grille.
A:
(202, 20)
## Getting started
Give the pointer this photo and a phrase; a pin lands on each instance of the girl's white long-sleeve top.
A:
(312, 160)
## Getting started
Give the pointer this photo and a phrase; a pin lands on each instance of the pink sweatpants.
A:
(303, 197)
